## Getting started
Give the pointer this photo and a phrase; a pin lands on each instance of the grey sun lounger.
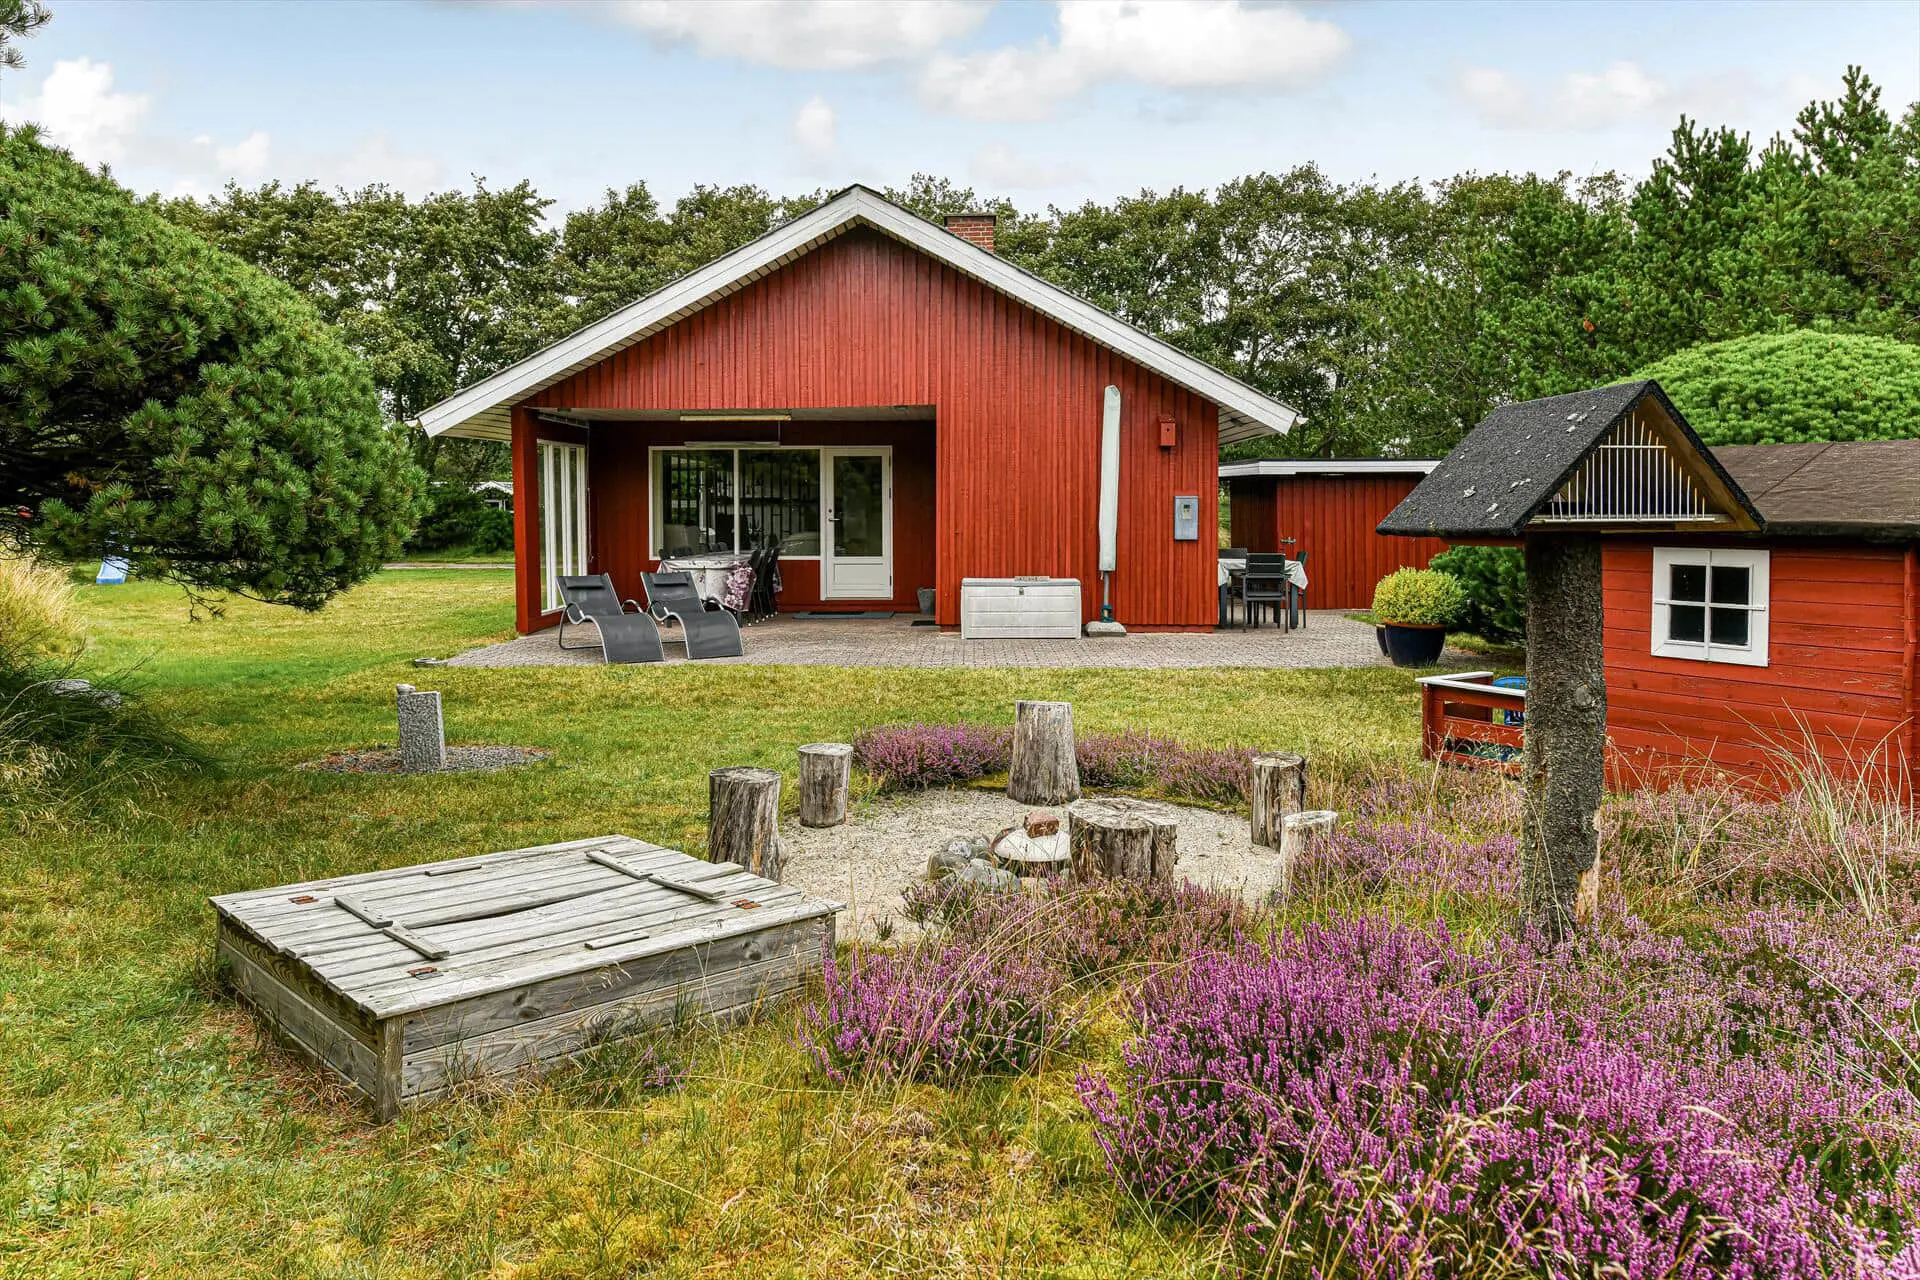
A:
(625, 636)
(707, 630)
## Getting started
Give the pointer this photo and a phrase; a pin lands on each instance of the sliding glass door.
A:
(563, 517)
(835, 505)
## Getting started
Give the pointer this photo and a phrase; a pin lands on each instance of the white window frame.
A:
(1758, 565)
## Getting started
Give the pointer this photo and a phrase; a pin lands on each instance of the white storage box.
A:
(1019, 608)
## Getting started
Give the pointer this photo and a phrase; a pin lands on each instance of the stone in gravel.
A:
(988, 878)
(945, 862)
(977, 846)
(1040, 824)
(84, 689)
(423, 734)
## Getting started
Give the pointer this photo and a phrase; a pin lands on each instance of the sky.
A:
(1043, 103)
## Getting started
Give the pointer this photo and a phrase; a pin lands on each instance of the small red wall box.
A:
(1169, 431)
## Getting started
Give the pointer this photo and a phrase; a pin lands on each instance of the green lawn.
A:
(146, 1129)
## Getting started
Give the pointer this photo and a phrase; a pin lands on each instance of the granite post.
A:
(423, 734)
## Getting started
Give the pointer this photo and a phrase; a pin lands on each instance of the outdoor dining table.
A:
(725, 577)
(1234, 568)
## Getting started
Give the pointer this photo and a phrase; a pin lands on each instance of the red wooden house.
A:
(1328, 508)
(891, 403)
(1760, 600)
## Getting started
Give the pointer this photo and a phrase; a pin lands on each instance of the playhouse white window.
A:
(1710, 604)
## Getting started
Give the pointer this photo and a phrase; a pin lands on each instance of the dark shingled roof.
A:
(1864, 488)
(1519, 456)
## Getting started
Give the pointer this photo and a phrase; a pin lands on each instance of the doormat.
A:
(835, 617)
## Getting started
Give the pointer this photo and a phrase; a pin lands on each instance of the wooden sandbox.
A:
(408, 982)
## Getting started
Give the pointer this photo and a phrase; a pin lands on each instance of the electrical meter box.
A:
(1186, 518)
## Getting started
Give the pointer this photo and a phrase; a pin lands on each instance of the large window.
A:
(1710, 605)
(694, 499)
(720, 499)
(780, 500)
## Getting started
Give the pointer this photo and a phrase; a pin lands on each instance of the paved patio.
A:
(1328, 640)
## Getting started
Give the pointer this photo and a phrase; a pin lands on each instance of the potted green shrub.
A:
(1415, 607)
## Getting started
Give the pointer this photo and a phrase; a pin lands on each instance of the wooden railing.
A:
(1465, 720)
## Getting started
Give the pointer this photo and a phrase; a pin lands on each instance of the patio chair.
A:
(625, 636)
(707, 630)
(1264, 586)
(766, 569)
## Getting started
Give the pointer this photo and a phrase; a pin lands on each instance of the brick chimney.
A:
(974, 228)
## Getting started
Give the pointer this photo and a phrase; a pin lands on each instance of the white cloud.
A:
(248, 157)
(1197, 47)
(80, 110)
(999, 165)
(805, 35)
(816, 132)
(1625, 93)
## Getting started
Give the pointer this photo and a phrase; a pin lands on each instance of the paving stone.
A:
(1330, 639)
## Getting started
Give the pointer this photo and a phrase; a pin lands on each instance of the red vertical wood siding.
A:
(1840, 670)
(619, 479)
(1016, 399)
(1333, 519)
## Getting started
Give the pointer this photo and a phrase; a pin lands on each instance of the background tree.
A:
(164, 401)
(18, 20)
(1393, 316)
(1779, 388)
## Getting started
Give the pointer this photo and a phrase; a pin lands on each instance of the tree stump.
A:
(826, 772)
(1566, 728)
(1044, 769)
(1122, 838)
(743, 819)
(1279, 788)
(1297, 831)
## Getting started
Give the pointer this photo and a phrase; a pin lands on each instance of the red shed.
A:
(1758, 600)
(891, 404)
(1818, 637)
(1330, 509)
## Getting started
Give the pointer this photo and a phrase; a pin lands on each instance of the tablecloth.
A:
(722, 576)
(1296, 572)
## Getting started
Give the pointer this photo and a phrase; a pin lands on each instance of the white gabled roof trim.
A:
(482, 410)
(1328, 467)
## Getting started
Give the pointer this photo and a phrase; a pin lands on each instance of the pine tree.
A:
(163, 401)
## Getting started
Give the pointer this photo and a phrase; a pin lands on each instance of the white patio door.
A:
(563, 517)
(856, 556)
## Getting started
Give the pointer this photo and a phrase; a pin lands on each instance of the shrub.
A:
(1371, 1091)
(459, 517)
(1494, 582)
(914, 757)
(1419, 596)
(1778, 388)
(935, 1014)
(38, 618)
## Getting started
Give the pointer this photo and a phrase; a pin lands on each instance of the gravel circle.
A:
(459, 760)
(882, 849)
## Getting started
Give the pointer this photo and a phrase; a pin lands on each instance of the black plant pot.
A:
(1380, 636)
(1414, 645)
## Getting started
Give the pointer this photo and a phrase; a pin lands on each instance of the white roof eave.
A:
(1264, 467)
(482, 410)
